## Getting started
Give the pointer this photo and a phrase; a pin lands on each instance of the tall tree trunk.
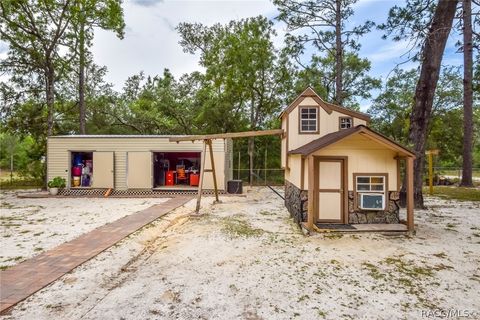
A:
(467, 95)
(50, 96)
(338, 54)
(81, 78)
(432, 55)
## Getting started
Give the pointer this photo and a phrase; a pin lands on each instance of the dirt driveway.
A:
(30, 226)
(245, 259)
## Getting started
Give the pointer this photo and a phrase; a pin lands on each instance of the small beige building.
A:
(337, 169)
(139, 162)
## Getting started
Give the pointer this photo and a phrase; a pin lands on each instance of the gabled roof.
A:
(328, 107)
(333, 137)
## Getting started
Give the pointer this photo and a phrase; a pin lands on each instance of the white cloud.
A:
(3, 47)
(388, 52)
(151, 42)
(146, 3)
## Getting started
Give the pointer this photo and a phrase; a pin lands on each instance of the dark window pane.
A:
(363, 187)
(363, 179)
(377, 180)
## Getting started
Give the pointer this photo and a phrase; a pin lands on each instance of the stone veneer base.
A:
(296, 201)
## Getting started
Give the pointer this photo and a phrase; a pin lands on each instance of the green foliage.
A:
(410, 22)
(245, 77)
(57, 182)
(27, 156)
(245, 83)
(391, 113)
(456, 193)
(321, 26)
(357, 83)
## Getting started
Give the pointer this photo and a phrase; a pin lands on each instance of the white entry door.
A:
(139, 170)
(102, 169)
(330, 191)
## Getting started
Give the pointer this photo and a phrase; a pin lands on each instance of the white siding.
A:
(58, 154)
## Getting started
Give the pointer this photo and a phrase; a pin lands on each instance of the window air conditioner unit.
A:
(372, 201)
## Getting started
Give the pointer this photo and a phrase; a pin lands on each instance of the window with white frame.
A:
(308, 119)
(346, 122)
(371, 192)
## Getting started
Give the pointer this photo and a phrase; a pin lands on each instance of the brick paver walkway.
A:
(24, 279)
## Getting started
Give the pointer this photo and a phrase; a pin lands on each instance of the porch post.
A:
(410, 222)
(311, 193)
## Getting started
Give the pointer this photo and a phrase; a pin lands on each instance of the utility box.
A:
(235, 186)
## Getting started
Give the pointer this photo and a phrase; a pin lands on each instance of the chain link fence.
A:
(264, 177)
(455, 173)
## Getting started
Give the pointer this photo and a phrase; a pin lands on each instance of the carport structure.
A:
(207, 141)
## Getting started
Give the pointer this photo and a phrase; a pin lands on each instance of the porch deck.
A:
(367, 227)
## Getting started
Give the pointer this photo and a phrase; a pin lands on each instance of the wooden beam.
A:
(227, 135)
(399, 177)
(409, 171)
(302, 174)
(212, 162)
(200, 184)
(311, 193)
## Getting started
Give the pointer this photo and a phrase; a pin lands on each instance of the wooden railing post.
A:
(311, 193)
(410, 204)
(200, 184)
(210, 149)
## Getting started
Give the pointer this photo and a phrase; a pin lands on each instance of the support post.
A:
(200, 184)
(430, 172)
(410, 204)
(238, 173)
(311, 193)
(210, 149)
(265, 167)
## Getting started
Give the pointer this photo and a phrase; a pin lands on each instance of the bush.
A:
(57, 182)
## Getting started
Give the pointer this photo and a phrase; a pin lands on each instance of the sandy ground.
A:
(245, 259)
(31, 226)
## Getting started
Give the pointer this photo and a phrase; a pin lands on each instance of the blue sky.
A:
(151, 42)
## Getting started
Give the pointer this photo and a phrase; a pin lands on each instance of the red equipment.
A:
(194, 179)
(169, 178)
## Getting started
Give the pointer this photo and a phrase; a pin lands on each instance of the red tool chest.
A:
(170, 178)
(194, 178)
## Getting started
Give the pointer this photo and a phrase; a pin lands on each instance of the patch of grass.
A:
(455, 193)
(38, 249)
(442, 266)
(236, 227)
(333, 235)
(441, 255)
(322, 314)
(398, 273)
(373, 271)
(4, 267)
(8, 225)
(266, 213)
(408, 269)
(4, 218)
(6, 205)
(14, 258)
(451, 227)
(37, 234)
